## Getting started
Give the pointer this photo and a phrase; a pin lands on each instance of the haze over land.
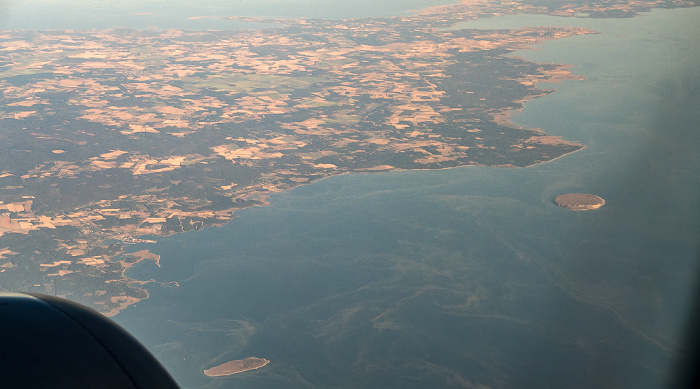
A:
(113, 135)
(408, 275)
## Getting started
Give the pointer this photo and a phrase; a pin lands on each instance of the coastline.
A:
(236, 367)
(501, 204)
(561, 73)
(164, 208)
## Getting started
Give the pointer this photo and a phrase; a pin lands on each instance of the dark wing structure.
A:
(49, 342)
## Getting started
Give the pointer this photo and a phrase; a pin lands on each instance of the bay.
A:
(185, 14)
(470, 275)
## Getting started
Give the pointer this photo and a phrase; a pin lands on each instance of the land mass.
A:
(579, 201)
(237, 366)
(118, 136)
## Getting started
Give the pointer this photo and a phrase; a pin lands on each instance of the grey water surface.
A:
(468, 276)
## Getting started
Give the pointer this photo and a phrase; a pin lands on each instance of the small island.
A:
(579, 201)
(237, 366)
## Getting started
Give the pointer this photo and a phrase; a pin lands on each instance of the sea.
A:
(188, 14)
(472, 276)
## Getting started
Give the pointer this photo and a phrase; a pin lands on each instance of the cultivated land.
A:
(108, 137)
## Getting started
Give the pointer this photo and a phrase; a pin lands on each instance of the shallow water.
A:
(186, 14)
(468, 275)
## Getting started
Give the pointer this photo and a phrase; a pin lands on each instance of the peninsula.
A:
(113, 137)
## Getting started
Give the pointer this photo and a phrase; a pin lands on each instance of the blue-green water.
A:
(164, 14)
(471, 275)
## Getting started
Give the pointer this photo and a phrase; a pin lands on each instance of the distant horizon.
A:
(149, 14)
(370, 203)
